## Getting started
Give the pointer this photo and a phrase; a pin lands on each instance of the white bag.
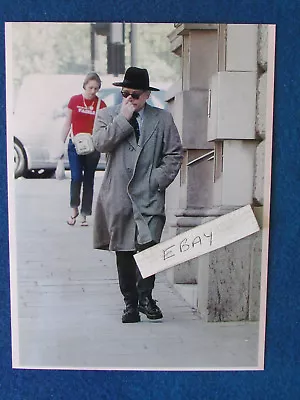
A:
(83, 144)
(60, 170)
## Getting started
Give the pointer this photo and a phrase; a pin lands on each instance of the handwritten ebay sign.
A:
(197, 241)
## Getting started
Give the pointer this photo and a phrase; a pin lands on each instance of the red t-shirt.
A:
(83, 113)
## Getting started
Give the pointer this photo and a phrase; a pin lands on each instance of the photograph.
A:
(121, 139)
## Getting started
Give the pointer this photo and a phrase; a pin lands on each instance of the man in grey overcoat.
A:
(144, 155)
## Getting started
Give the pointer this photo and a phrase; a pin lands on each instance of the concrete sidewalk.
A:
(70, 307)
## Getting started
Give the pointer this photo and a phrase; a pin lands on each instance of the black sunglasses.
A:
(134, 95)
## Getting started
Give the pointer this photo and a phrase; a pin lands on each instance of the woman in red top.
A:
(80, 116)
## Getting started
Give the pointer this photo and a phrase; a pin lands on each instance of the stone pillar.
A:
(233, 272)
(197, 44)
(219, 108)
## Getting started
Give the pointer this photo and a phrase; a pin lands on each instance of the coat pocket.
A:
(153, 181)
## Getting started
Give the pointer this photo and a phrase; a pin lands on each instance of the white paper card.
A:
(197, 241)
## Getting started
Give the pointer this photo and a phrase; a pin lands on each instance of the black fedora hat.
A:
(136, 78)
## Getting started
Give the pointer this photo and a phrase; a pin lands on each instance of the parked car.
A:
(39, 115)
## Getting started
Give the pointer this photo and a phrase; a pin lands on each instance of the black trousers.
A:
(132, 286)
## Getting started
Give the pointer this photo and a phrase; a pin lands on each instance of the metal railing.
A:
(209, 156)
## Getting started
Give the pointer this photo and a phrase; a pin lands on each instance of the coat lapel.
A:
(132, 140)
(149, 124)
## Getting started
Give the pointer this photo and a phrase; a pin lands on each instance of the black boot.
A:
(127, 281)
(130, 314)
(149, 307)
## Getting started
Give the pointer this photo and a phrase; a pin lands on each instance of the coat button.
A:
(131, 148)
(129, 170)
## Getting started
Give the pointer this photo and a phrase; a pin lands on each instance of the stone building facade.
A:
(219, 106)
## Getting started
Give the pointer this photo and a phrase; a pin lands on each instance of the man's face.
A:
(137, 103)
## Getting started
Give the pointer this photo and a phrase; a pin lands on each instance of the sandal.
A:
(72, 220)
(83, 221)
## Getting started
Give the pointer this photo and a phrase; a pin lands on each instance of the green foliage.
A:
(153, 52)
(50, 48)
(64, 48)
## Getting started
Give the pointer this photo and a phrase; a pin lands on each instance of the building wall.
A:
(262, 61)
(219, 107)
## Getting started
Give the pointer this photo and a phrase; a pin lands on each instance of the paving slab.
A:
(70, 307)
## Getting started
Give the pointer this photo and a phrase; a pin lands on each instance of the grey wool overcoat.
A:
(131, 203)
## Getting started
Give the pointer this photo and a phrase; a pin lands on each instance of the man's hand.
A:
(127, 109)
